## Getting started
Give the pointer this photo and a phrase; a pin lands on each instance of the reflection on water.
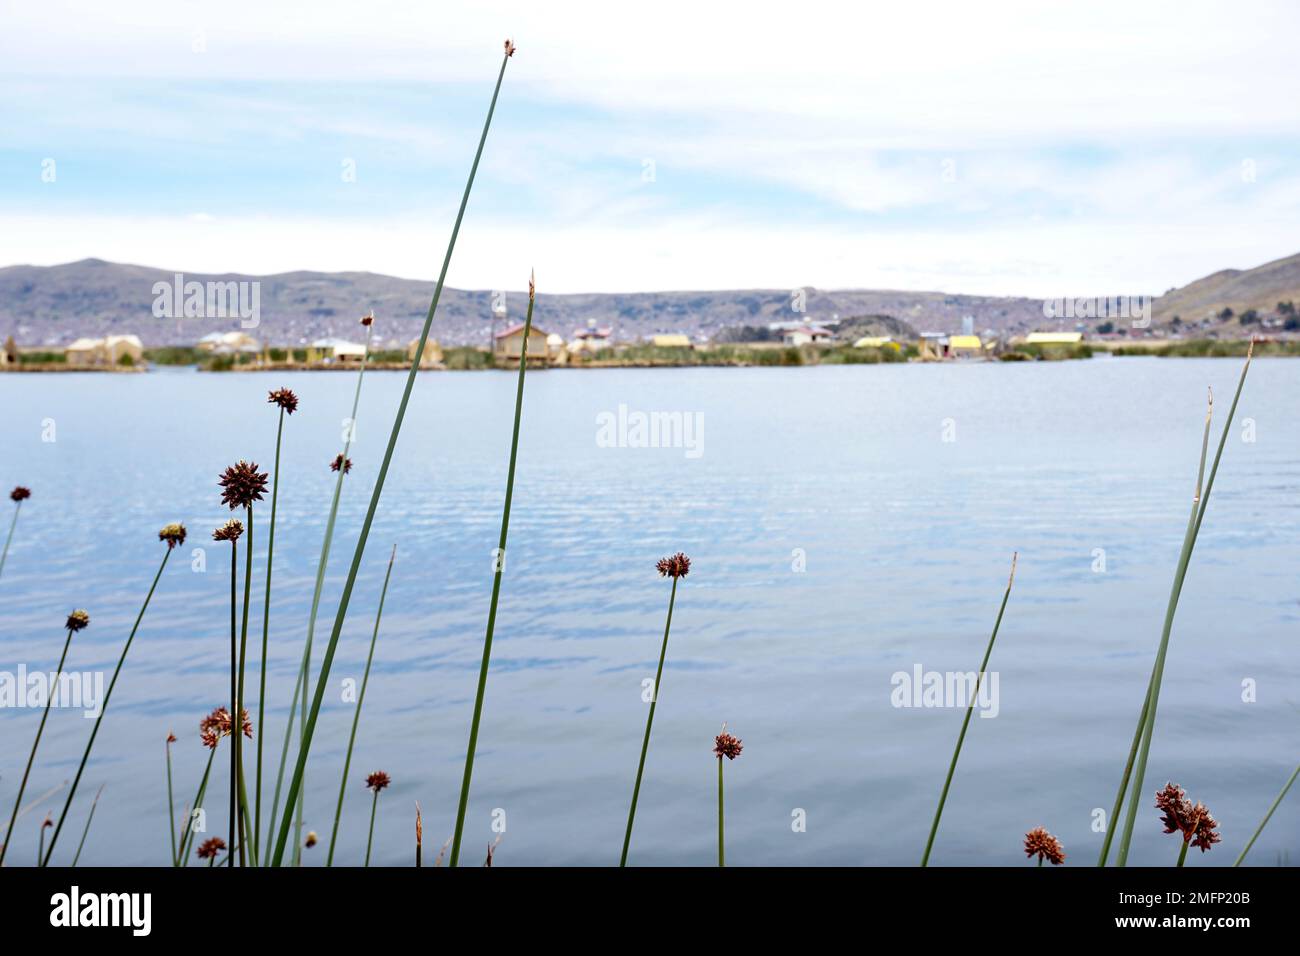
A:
(836, 539)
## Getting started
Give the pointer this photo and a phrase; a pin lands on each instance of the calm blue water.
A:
(907, 540)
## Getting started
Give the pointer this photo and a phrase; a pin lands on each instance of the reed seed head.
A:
(20, 493)
(532, 285)
(171, 738)
(378, 781)
(725, 745)
(284, 398)
(1179, 815)
(1040, 843)
(241, 485)
(230, 531)
(217, 725)
(676, 566)
(77, 621)
(209, 848)
(341, 462)
(510, 48)
(368, 319)
(173, 534)
(311, 839)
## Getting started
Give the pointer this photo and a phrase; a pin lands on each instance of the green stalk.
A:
(266, 626)
(970, 709)
(1198, 508)
(722, 855)
(237, 719)
(649, 722)
(496, 589)
(356, 717)
(309, 729)
(171, 801)
(94, 731)
(304, 669)
(40, 729)
(94, 803)
(1182, 854)
(374, 805)
(188, 840)
(4, 555)
(1262, 823)
(1113, 820)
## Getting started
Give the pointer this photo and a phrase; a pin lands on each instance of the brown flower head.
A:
(1040, 843)
(284, 398)
(377, 781)
(677, 566)
(230, 531)
(368, 319)
(1178, 814)
(341, 462)
(1205, 834)
(209, 848)
(77, 621)
(510, 48)
(311, 839)
(173, 534)
(171, 738)
(725, 745)
(20, 494)
(217, 725)
(241, 485)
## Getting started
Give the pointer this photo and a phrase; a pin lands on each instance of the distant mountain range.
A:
(52, 305)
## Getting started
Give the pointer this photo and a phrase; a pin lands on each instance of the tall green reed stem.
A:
(649, 722)
(40, 729)
(187, 841)
(356, 717)
(309, 728)
(171, 800)
(374, 805)
(1200, 502)
(89, 817)
(722, 852)
(266, 630)
(94, 731)
(1263, 823)
(235, 721)
(970, 709)
(496, 589)
(4, 555)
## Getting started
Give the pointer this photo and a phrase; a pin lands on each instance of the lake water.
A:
(905, 540)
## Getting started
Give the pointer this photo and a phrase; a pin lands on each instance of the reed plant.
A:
(77, 621)
(1263, 823)
(309, 727)
(89, 817)
(970, 709)
(677, 566)
(499, 565)
(211, 730)
(356, 717)
(376, 782)
(1193, 822)
(1132, 780)
(171, 799)
(724, 745)
(173, 535)
(231, 531)
(17, 496)
(1040, 843)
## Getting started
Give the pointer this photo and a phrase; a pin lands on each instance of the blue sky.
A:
(999, 148)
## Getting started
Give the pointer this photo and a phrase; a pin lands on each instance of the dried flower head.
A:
(1195, 822)
(1040, 843)
(284, 398)
(230, 531)
(20, 493)
(217, 725)
(209, 848)
(77, 620)
(341, 462)
(171, 738)
(725, 745)
(173, 534)
(368, 319)
(510, 48)
(311, 839)
(377, 781)
(241, 485)
(532, 285)
(677, 566)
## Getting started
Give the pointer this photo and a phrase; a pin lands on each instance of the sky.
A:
(1039, 149)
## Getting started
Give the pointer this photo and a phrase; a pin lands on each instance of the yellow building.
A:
(1054, 338)
(673, 341)
(432, 357)
(960, 346)
(874, 342)
(509, 343)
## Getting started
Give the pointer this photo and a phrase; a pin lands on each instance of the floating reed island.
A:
(257, 831)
